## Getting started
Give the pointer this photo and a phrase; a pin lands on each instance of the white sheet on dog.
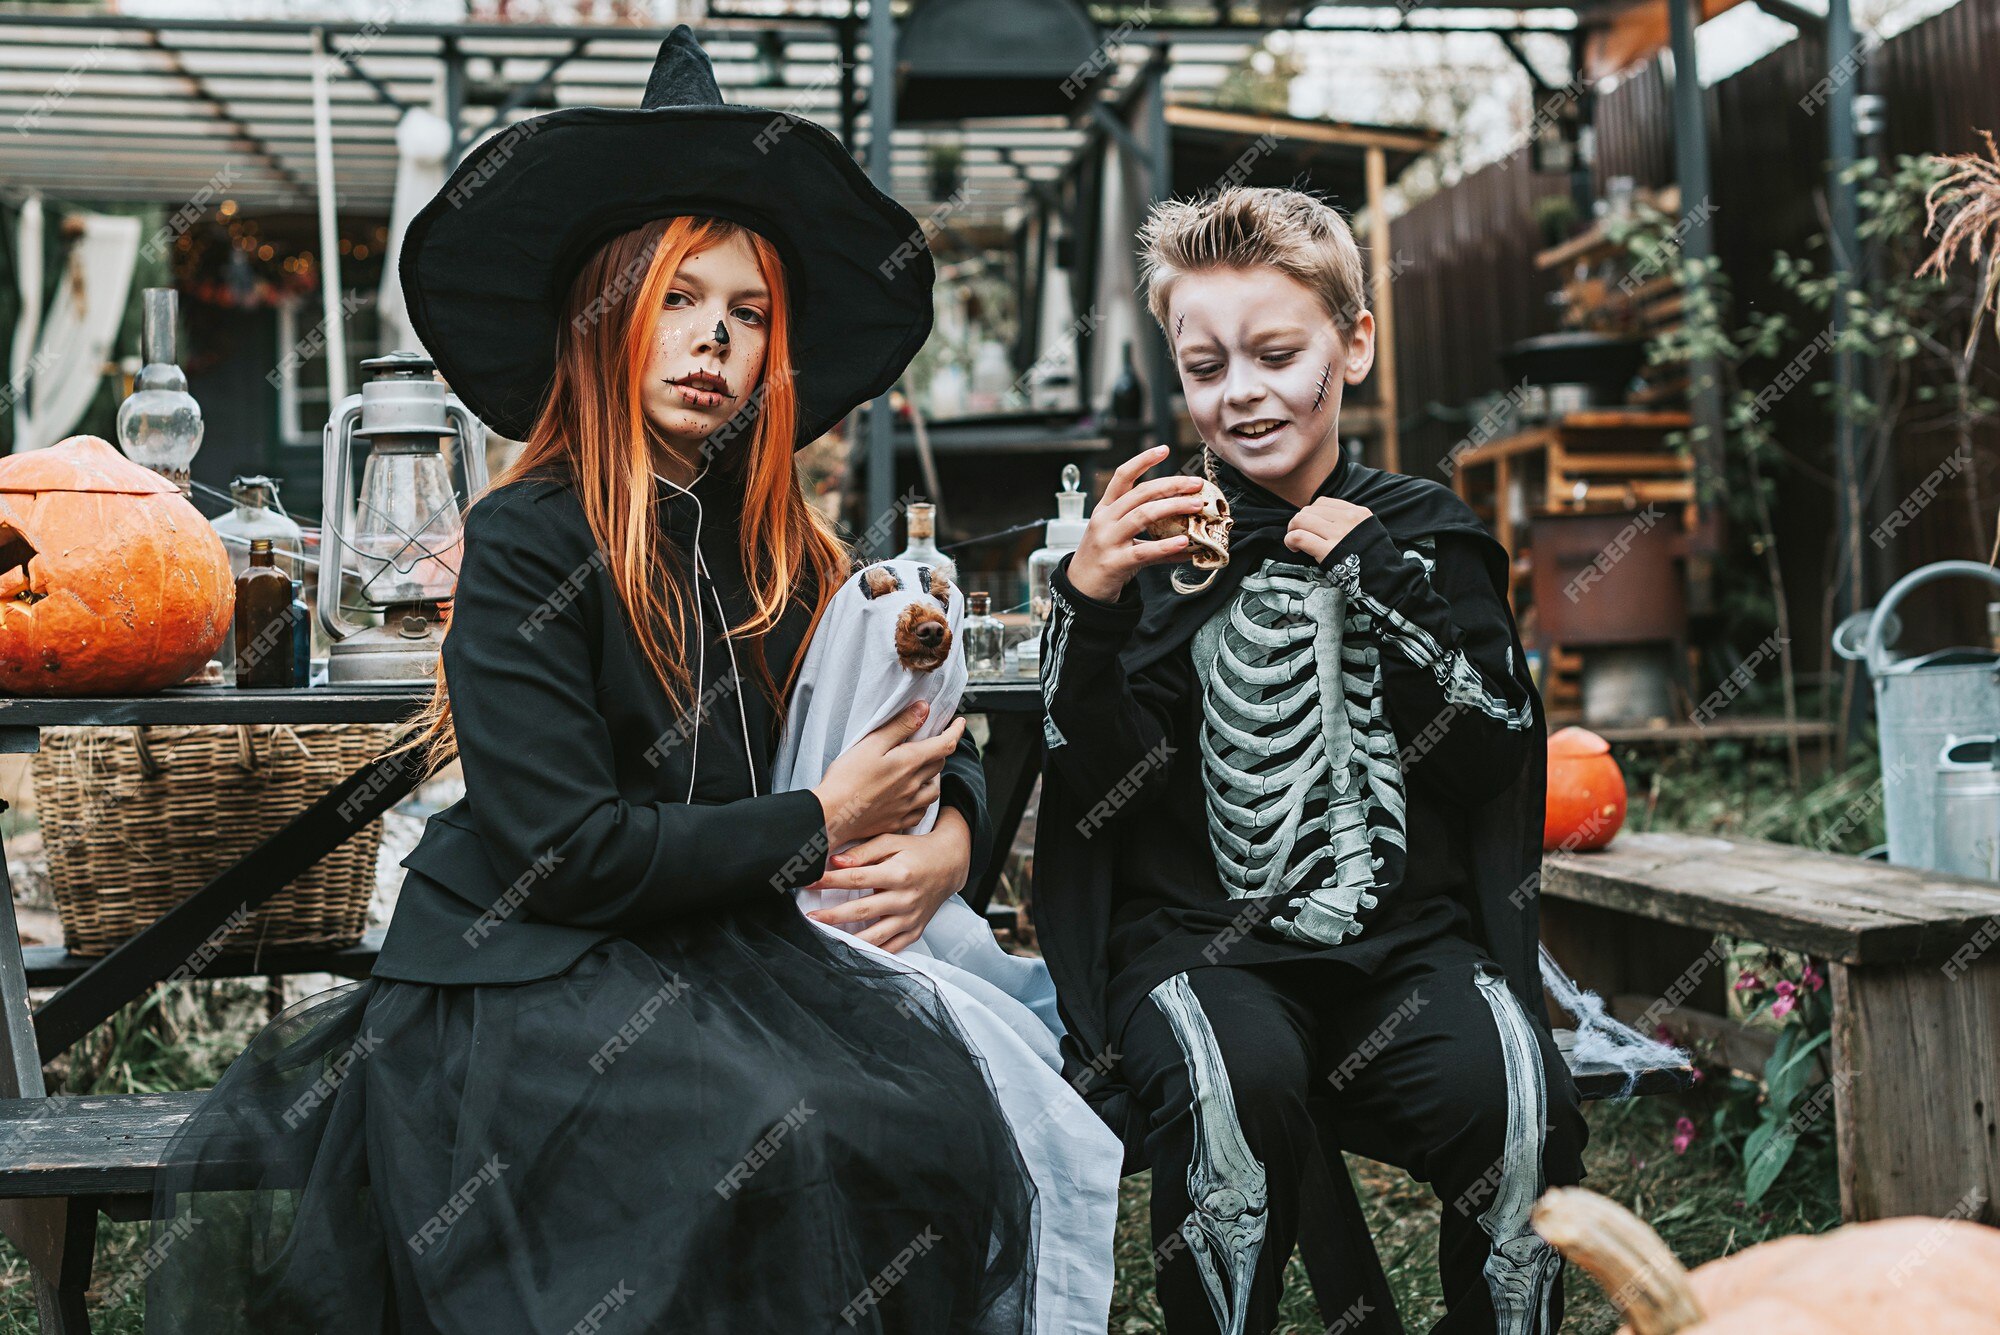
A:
(851, 683)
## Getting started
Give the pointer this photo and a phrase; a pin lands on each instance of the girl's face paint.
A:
(1262, 365)
(708, 345)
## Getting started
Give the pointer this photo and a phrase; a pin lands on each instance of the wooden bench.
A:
(107, 1147)
(1913, 961)
(53, 966)
(102, 1152)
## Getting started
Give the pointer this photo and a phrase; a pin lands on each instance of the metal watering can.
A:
(1923, 705)
(1968, 807)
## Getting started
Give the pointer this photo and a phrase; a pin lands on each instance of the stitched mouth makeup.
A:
(702, 389)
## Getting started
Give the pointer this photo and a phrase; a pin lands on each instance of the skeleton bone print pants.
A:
(1429, 1065)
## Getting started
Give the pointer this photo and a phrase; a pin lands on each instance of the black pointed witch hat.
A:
(488, 262)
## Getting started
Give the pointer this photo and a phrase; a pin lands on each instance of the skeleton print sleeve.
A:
(1458, 699)
(1110, 735)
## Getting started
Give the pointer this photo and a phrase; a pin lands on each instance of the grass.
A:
(1692, 1199)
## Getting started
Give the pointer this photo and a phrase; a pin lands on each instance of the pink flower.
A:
(1683, 1135)
(1788, 997)
(1812, 979)
(1748, 981)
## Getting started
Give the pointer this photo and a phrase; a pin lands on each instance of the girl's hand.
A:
(1318, 529)
(1108, 556)
(912, 876)
(885, 782)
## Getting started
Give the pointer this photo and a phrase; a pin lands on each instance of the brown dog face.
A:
(923, 630)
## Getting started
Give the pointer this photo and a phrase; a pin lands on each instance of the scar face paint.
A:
(721, 334)
(1180, 323)
(1262, 367)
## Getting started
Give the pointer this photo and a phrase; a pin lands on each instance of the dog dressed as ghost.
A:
(889, 638)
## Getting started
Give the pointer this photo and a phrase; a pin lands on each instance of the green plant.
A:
(1767, 1123)
(1912, 325)
(1556, 216)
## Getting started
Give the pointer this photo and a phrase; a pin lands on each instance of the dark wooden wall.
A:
(1471, 288)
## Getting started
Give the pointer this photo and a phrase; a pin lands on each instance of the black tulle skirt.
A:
(731, 1126)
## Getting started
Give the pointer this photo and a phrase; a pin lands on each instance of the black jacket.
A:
(1125, 888)
(575, 824)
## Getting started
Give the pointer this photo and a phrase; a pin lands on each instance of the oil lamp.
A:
(407, 532)
(159, 424)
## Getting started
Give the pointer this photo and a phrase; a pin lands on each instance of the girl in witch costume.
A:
(606, 1075)
(1291, 821)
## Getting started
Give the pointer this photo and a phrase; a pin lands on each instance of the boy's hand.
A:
(1318, 529)
(1108, 556)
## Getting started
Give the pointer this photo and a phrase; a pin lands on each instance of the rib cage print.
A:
(1299, 764)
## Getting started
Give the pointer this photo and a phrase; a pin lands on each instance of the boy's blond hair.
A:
(1241, 227)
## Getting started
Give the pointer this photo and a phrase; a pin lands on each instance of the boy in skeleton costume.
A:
(1291, 819)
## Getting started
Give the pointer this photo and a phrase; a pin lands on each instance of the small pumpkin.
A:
(1892, 1277)
(1586, 798)
(111, 583)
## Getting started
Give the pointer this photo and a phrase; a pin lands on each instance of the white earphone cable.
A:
(701, 647)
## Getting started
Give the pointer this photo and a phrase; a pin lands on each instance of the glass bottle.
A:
(256, 513)
(921, 518)
(1128, 392)
(1064, 532)
(159, 425)
(985, 636)
(263, 621)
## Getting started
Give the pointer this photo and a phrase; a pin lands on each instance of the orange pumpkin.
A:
(1586, 801)
(1891, 1277)
(111, 583)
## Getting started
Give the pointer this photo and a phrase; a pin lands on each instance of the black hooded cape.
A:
(1076, 876)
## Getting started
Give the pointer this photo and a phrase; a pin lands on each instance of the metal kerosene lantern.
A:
(408, 534)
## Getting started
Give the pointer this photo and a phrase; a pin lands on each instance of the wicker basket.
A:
(136, 819)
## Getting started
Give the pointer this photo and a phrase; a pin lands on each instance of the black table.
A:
(92, 990)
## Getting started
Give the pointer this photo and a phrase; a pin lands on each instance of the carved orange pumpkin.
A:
(1586, 802)
(1892, 1277)
(111, 583)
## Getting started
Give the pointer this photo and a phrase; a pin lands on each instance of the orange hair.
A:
(593, 433)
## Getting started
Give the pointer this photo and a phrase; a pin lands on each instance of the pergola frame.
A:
(104, 130)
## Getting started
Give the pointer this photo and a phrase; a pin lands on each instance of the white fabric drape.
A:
(28, 269)
(423, 139)
(55, 383)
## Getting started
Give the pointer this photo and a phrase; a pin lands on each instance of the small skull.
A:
(1207, 533)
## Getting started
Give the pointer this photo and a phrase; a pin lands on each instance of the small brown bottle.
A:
(263, 621)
